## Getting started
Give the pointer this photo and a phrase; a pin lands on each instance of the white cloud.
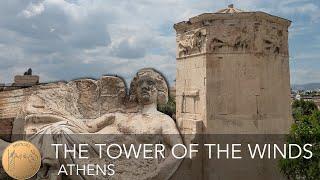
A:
(291, 8)
(306, 75)
(309, 9)
(33, 10)
(66, 39)
(307, 56)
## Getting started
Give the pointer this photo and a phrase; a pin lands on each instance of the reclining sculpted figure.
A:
(101, 113)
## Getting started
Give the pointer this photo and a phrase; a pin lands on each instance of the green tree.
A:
(305, 130)
(302, 107)
(169, 108)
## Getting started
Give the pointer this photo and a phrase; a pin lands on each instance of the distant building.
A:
(303, 95)
(25, 80)
(21, 81)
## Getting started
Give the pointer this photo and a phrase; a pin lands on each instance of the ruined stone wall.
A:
(10, 104)
(26, 80)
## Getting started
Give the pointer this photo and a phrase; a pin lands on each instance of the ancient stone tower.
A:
(233, 73)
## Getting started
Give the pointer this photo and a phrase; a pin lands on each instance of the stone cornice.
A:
(186, 25)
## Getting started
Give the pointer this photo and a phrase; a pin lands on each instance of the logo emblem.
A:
(21, 160)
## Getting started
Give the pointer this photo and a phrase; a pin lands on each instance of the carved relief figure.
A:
(273, 41)
(243, 41)
(149, 88)
(235, 38)
(191, 43)
(216, 44)
(271, 46)
(48, 121)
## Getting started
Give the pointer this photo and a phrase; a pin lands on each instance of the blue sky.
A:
(67, 39)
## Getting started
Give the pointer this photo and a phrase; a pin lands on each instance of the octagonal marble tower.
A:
(233, 73)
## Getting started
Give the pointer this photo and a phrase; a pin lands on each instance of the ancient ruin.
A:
(232, 78)
(233, 72)
(87, 106)
(26, 80)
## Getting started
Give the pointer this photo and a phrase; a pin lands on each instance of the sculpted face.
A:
(146, 90)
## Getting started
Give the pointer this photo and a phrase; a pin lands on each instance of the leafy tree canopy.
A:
(169, 108)
(305, 130)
